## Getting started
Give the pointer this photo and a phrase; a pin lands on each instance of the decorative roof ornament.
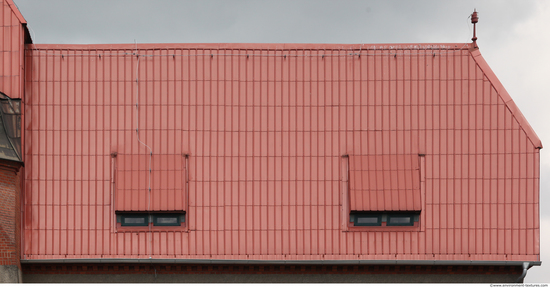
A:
(474, 21)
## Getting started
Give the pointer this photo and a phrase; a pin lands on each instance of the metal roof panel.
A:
(265, 135)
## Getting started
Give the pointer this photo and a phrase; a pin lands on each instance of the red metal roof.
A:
(385, 183)
(265, 128)
(507, 99)
(15, 11)
(12, 49)
(166, 180)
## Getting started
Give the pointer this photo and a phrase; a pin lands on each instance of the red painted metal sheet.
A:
(384, 183)
(15, 11)
(150, 183)
(12, 41)
(265, 127)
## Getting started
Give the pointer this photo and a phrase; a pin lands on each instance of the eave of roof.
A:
(287, 262)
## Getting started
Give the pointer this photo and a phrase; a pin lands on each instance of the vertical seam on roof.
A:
(506, 98)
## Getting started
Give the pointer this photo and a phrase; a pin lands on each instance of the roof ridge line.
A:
(261, 46)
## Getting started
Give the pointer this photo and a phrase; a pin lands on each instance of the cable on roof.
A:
(150, 150)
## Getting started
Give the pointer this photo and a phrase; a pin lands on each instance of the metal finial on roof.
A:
(474, 21)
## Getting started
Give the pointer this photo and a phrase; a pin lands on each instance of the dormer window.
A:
(147, 218)
(383, 219)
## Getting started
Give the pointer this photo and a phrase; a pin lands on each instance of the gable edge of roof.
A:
(16, 11)
(508, 101)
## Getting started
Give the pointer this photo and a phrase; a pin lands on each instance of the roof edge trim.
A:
(510, 104)
(16, 11)
(22, 21)
(293, 262)
(257, 46)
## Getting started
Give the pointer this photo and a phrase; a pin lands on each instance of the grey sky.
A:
(170, 21)
(513, 38)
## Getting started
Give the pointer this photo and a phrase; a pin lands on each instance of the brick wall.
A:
(10, 208)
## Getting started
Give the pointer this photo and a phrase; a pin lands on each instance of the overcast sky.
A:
(513, 38)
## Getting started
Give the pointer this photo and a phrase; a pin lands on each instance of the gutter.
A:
(526, 265)
(289, 262)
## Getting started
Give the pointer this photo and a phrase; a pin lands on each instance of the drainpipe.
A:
(526, 265)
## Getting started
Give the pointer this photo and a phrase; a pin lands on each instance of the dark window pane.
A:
(400, 220)
(367, 220)
(370, 220)
(10, 128)
(167, 220)
(134, 220)
(158, 219)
